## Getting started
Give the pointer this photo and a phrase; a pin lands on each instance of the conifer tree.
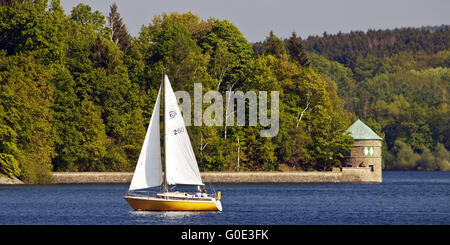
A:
(294, 46)
(119, 33)
(273, 45)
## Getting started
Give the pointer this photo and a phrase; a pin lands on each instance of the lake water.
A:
(404, 198)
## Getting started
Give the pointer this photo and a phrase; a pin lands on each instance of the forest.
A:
(77, 91)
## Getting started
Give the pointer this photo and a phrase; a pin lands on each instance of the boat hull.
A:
(159, 204)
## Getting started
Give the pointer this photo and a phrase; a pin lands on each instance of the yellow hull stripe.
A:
(172, 205)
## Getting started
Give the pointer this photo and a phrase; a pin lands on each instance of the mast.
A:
(166, 187)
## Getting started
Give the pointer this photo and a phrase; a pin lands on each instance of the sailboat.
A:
(181, 166)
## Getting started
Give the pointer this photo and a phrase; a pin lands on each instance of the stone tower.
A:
(366, 151)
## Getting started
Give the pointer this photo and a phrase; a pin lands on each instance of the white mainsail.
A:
(148, 171)
(181, 165)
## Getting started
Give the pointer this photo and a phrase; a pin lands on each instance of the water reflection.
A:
(168, 217)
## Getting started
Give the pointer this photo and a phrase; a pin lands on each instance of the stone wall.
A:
(92, 177)
(344, 175)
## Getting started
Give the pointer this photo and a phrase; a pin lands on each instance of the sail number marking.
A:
(178, 131)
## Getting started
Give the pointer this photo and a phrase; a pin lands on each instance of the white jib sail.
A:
(148, 171)
(181, 165)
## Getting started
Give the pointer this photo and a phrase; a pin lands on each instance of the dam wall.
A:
(343, 175)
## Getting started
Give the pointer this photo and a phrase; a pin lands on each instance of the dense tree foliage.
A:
(346, 48)
(76, 91)
(25, 117)
(398, 81)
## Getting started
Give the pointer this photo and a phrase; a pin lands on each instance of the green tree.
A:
(83, 14)
(93, 139)
(179, 54)
(273, 45)
(294, 46)
(66, 120)
(118, 30)
(369, 66)
(230, 51)
(406, 159)
(347, 87)
(25, 116)
(32, 26)
(442, 157)
(9, 165)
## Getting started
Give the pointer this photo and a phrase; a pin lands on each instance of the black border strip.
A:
(267, 234)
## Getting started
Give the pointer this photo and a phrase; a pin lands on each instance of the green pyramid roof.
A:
(359, 131)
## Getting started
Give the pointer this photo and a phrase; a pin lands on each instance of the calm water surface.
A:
(403, 198)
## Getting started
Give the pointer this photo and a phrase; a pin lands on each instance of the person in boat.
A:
(204, 194)
(199, 192)
(362, 165)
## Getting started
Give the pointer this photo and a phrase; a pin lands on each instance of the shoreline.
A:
(5, 180)
(337, 176)
(345, 175)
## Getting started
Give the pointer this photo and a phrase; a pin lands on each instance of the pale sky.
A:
(255, 18)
